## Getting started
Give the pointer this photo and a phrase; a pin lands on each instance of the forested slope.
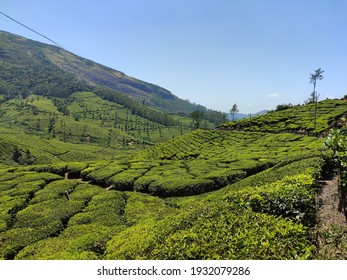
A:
(29, 66)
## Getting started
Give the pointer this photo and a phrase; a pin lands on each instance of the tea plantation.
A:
(297, 119)
(208, 194)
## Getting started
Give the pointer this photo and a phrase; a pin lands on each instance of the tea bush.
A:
(78, 242)
(213, 231)
(105, 208)
(298, 119)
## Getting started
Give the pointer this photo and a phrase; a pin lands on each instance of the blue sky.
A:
(255, 53)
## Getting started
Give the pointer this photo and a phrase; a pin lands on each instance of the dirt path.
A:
(329, 214)
(332, 226)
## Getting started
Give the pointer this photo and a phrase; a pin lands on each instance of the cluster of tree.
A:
(22, 157)
(62, 105)
(197, 117)
(32, 76)
(25, 68)
(136, 107)
(215, 117)
(281, 107)
(208, 115)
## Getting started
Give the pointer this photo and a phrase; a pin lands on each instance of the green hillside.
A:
(45, 216)
(297, 119)
(210, 194)
(201, 188)
(81, 127)
(28, 67)
(87, 172)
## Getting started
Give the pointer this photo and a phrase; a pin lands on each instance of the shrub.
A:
(142, 207)
(292, 197)
(244, 235)
(213, 231)
(182, 187)
(15, 239)
(105, 208)
(79, 242)
(56, 189)
(125, 180)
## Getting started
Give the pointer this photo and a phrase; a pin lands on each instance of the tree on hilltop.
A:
(314, 95)
(234, 110)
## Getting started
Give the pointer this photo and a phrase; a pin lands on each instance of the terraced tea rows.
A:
(206, 195)
(102, 129)
(203, 160)
(299, 119)
(44, 216)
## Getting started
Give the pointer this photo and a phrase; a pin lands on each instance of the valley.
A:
(91, 172)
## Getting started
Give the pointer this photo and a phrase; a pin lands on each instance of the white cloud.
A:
(273, 95)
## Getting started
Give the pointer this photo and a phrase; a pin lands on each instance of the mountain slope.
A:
(97, 74)
(48, 70)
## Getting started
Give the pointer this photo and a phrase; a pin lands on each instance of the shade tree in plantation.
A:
(197, 117)
(314, 95)
(234, 110)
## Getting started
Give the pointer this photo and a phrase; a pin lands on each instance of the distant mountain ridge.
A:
(240, 116)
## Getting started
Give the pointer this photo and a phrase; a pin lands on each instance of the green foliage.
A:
(181, 187)
(229, 236)
(213, 231)
(292, 197)
(298, 119)
(142, 208)
(86, 232)
(104, 208)
(35, 222)
(311, 166)
(337, 142)
(281, 107)
(100, 174)
(332, 244)
(26, 69)
(82, 175)
(197, 117)
(102, 129)
(55, 190)
(69, 219)
(79, 242)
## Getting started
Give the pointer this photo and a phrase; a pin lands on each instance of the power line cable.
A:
(16, 21)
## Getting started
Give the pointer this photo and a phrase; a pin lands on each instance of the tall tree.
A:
(234, 110)
(314, 95)
(197, 118)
